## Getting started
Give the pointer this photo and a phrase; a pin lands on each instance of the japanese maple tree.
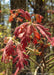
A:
(29, 33)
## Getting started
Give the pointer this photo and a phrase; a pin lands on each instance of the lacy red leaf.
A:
(8, 50)
(23, 32)
(45, 33)
(20, 58)
(27, 16)
(21, 29)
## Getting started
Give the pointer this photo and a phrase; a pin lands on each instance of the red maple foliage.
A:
(23, 13)
(24, 32)
(21, 58)
(8, 50)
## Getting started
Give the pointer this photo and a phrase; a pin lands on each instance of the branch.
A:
(44, 61)
(34, 61)
(43, 57)
(32, 50)
(35, 73)
(23, 70)
(49, 60)
(50, 64)
(50, 67)
(49, 55)
(36, 70)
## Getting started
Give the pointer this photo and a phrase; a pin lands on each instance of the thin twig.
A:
(34, 61)
(49, 60)
(32, 50)
(50, 63)
(49, 55)
(50, 67)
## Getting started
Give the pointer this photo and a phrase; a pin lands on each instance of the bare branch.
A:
(35, 73)
(34, 61)
(50, 63)
(49, 55)
(49, 60)
(50, 67)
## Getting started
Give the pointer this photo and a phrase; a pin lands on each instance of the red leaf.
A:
(24, 14)
(21, 11)
(29, 30)
(27, 16)
(43, 31)
(20, 58)
(8, 50)
(24, 42)
(37, 35)
(20, 29)
(14, 46)
(34, 41)
(19, 19)
(46, 34)
(10, 18)
(23, 32)
(25, 62)
(52, 41)
(21, 35)
(39, 18)
(11, 11)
